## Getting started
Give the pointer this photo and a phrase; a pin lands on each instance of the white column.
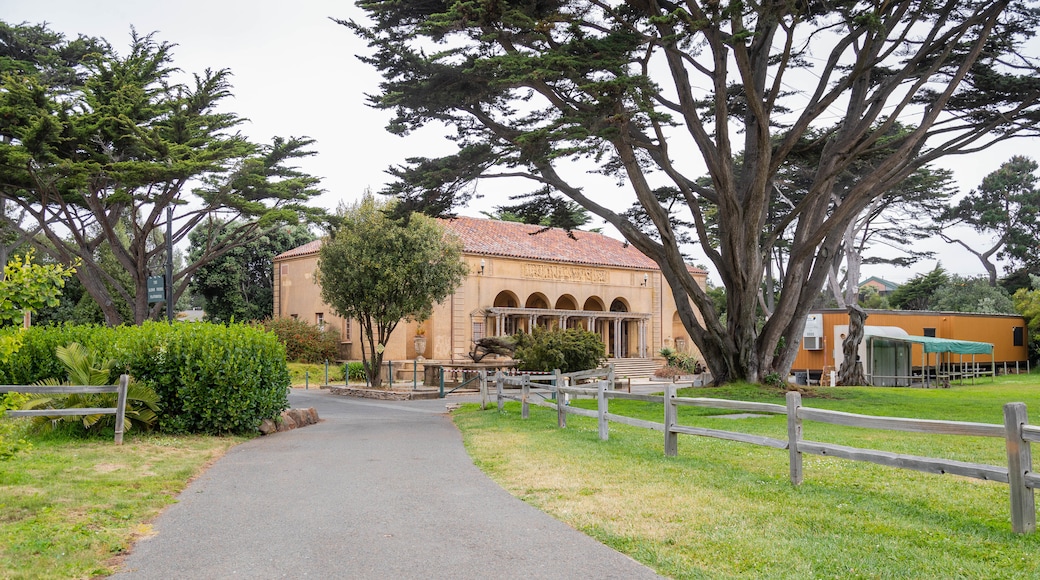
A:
(617, 338)
(642, 338)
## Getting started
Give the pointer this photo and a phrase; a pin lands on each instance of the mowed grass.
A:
(728, 510)
(69, 508)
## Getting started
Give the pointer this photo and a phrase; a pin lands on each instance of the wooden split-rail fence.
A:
(1016, 431)
(119, 410)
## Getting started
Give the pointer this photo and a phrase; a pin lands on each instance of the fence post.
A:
(610, 377)
(671, 438)
(124, 382)
(601, 406)
(1020, 461)
(483, 390)
(500, 380)
(561, 409)
(440, 394)
(794, 435)
(525, 391)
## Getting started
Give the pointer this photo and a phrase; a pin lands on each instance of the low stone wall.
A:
(383, 394)
(290, 419)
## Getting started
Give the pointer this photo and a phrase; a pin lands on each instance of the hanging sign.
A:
(156, 289)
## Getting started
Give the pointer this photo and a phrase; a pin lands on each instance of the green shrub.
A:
(304, 342)
(210, 378)
(35, 358)
(681, 361)
(355, 371)
(569, 350)
(84, 367)
(11, 441)
(773, 380)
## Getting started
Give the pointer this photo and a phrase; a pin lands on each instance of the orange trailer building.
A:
(821, 348)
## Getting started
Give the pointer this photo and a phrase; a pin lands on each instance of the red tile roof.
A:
(304, 250)
(515, 240)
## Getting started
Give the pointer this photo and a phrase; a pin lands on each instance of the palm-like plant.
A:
(85, 368)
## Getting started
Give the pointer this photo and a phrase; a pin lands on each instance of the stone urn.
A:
(420, 346)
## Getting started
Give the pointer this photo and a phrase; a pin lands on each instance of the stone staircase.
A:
(635, 368)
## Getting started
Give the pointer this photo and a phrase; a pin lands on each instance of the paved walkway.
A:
(376, 490)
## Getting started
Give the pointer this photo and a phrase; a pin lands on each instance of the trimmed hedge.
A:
(210, 378)
(35, 359)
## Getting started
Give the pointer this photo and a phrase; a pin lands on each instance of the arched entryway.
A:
(618, 334)
(624, 333)
(566, 302)
(593, 304)
(506, 325)
(537, 301)
(506, 299)
(569, 304)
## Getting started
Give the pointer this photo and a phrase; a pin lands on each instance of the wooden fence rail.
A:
(119, 410)
(1016, 432)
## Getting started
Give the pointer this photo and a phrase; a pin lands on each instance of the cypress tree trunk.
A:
(851, 372)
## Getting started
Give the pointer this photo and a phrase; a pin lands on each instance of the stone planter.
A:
(420, 346)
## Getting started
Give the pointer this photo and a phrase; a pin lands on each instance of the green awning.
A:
(932, 344)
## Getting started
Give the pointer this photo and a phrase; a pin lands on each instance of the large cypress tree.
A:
(652, 93)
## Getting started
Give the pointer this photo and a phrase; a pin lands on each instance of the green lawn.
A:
(313, 374)
(69, 508)
(727, 510)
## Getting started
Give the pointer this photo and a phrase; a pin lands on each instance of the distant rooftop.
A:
(880, 281)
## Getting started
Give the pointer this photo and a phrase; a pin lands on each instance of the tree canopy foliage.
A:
(897, 221)
(379, 270)
(972, 294)
(240, 284)
(96, 146)
(1005, 206)
(652, 93)
(918, 292)
(1027, 303)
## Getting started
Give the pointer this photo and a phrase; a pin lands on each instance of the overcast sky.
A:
(295, 74)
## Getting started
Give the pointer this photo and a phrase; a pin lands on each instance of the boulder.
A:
(289, 419)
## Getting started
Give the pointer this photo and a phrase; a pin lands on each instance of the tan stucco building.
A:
(519, 276)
